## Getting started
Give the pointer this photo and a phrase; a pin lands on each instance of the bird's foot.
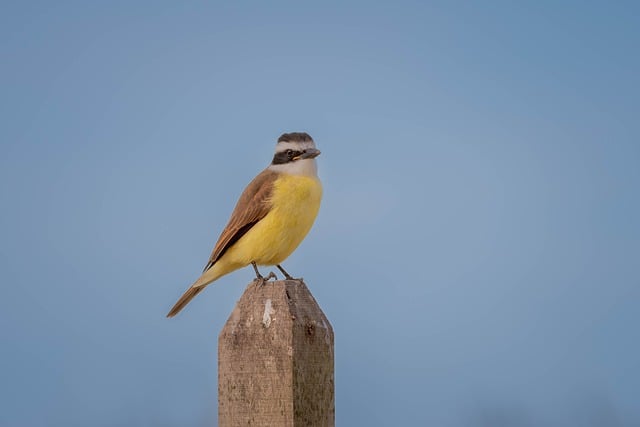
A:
(261, 280)
(288, 276)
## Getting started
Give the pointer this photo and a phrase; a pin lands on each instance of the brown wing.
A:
(253, 205)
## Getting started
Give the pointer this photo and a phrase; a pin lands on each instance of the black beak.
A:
(309, 153)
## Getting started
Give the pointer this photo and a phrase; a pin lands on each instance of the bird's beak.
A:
(309, 153)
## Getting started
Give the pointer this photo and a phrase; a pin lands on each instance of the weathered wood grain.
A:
(275, 360)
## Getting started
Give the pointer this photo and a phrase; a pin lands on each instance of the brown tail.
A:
(184, 300)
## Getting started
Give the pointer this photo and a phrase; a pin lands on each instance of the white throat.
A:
(303, 167)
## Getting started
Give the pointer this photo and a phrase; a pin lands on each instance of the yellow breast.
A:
(294, 206)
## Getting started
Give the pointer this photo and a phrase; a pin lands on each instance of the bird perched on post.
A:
(272, 217)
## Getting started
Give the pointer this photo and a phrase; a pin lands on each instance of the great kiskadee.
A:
(274, 214)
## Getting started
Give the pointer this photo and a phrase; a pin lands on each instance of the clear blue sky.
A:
(477, 250)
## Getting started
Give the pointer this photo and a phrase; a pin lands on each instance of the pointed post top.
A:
(275, 359)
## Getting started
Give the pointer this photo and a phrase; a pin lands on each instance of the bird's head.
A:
(295, 154)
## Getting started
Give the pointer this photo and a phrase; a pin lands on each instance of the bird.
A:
(271, 218)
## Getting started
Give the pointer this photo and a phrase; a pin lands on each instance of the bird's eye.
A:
(290, 154)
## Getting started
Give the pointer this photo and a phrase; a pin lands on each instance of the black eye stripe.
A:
(285, 157)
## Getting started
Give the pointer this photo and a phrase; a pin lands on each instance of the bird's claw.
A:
(288, 276)
(296, 279)
(261, 280)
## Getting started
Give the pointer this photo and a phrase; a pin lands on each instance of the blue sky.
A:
(476, 251)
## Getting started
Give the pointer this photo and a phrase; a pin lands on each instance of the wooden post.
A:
(275, 360)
